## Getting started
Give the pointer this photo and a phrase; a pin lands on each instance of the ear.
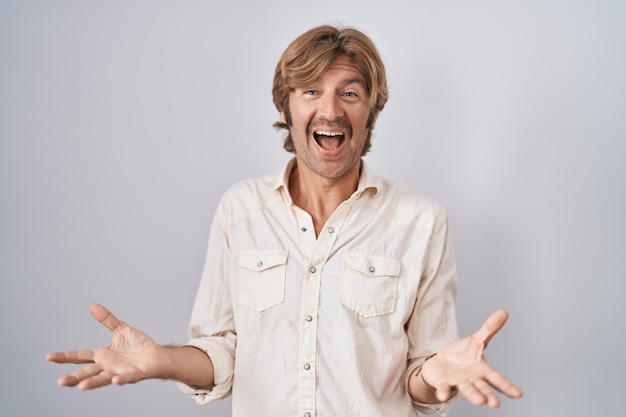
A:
(283, 118)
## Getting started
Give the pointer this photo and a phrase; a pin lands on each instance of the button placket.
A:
(308, 333)
(317, 251)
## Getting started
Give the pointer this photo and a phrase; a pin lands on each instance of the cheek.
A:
(300, 118)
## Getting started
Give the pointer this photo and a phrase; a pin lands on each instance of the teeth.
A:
(329, 140)
(325, 133)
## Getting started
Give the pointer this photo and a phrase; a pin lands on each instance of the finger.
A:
(486, 390)
(104, 316)
(73, 356)
(102, 379)
(127, 377)
(503, 385)
(492, 325)
(443, 391)
(470, 392)
(68, 381)
(79, 376)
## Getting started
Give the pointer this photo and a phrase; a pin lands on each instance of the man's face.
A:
(328, 121)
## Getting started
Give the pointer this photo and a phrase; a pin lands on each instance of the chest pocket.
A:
(369, 284)
(262, 278)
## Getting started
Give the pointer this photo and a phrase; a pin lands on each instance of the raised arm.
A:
(461, 367)
(133, 356)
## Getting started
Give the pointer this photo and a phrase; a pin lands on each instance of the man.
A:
(327, 290)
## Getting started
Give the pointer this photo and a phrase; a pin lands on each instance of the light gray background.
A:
(122, 122)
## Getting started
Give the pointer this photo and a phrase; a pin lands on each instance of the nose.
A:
(330, 107)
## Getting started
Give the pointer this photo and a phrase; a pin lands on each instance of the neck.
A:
(320, 196)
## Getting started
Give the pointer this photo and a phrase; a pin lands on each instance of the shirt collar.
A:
(367, 180)
(282, 179)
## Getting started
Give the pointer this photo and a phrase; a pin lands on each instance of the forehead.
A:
(341, 70)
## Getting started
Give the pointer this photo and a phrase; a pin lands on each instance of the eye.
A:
(351, 96)
(310, 92)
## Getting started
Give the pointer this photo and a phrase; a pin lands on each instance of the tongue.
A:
(328, 142)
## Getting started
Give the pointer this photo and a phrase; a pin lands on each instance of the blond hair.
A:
(310, 55)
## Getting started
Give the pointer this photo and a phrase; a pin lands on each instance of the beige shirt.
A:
(330, 326)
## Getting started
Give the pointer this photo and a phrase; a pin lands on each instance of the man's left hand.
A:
(461, 366)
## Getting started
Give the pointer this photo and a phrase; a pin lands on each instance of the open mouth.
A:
(329, 140)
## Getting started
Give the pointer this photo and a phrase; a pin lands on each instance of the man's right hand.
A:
(130, 357)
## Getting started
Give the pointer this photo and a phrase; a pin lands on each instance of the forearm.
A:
(189, 365)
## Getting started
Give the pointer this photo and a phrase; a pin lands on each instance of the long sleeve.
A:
(433, 321)
(212, 327)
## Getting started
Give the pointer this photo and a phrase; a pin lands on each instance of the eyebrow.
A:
(354, 80)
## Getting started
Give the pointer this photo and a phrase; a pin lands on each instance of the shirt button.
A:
(303, 229)
(331, 230)
(259, 264)
(309, 317)
(312, 270)
(307, 414)
(307, 366)
(372, 269)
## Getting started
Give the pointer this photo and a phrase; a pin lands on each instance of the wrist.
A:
(420, 390)
(420, 373)
(166, 362)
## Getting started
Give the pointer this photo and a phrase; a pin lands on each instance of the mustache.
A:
(324, 122)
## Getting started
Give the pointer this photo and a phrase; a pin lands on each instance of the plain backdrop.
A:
(122, 122)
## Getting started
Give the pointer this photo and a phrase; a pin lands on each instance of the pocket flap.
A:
(260, 260)
(374, 266)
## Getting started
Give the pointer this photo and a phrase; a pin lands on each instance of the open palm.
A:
(461, 366)
(130, 357)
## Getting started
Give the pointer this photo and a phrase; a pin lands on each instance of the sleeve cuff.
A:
(223, 366)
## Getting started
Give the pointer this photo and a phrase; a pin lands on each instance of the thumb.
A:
(491, 326)
(104, 316)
